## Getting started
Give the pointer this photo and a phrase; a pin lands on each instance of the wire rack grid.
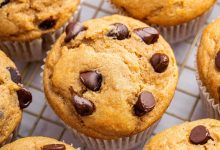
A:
(39, 119)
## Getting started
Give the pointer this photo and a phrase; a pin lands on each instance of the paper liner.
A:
(177, 33)
(11, 137)
(35, 50)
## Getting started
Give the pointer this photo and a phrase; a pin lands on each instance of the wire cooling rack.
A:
(39, 119)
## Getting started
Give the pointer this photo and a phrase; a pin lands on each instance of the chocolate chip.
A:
(144, 104)
(47, 24)
(4, 2)
(159, 62)
(119, 32)
(199, 135)
(72, 30)
(217, 60)
(1, 114)
(24, 97)
(15, 75)
(148, 34)
(54, 147)
(83, 106)
(91, 79)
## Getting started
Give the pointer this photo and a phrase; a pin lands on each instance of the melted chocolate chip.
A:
(199, 135)
(72, 30)
(24, 97)
(145, 103)
(148, 34)
(159, 62)
(15, 75)
(83, 106)
(4, 2)
(54, 147)
(217, 60)
(47, 24)
(119, 32)
(91, 79)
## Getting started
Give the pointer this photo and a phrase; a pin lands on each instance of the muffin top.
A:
(165, 12)
(208, 59)
(22, 20)
(13, 97)
(37, 143)
(110, 77)
(196, 135)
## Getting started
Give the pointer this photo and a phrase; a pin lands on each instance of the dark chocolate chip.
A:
(91, 79)
(119, 32)
(217, 60)
(1, 114)
(72, 30)
(54, 147)
(148, 34)
(144, 104)
(83, 106)
(15, 75)
(47, 24)
(159, 62)
(4, 2)
(199, 135)
(24, 97)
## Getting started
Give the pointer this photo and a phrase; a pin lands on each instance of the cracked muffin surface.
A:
(164, 12)
(208, 59)
(37, 143)
(13, 97)
(179, 137)
(110, 77)
(22, 20)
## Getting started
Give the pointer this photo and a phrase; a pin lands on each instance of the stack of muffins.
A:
(111, 79)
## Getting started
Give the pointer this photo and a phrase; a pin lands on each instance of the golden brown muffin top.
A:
(164, 12)
(23, 20)
(197, 135)
(110, 77)
(13, 97)
(208, 59)
(37, 143)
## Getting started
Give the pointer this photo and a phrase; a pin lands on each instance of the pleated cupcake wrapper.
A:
(11, 137)
(212, 109)
(177, 33)
(35, 50)
(133, 142)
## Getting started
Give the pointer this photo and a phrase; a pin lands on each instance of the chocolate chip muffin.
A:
(168, 16)
(208, 67)
(37, 143)
(14, 98)
(201, 134)
(33, 24)
(111, 77)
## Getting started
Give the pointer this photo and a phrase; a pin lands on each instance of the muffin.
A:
(110, 80)
(196, 135)
(29, 28)
(176, 20)
(208, 68)
(37, 143)
(14, 97)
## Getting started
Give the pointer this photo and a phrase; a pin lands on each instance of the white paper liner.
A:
(35, 50)
(178, 33)
(11, 137)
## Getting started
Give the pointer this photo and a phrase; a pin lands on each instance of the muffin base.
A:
(11, 138)
(178, 33)
(35, 50)
(136, 141)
